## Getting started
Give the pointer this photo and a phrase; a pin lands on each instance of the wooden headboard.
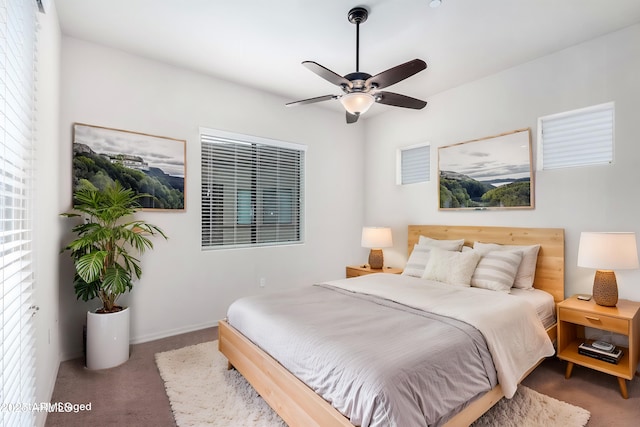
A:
(549, 275)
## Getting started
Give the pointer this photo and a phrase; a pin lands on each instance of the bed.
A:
(299, 405)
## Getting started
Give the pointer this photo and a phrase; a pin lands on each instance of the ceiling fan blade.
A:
(396, 74)
(352, 118)
(312, 100)
(397, 100)
(327, 74)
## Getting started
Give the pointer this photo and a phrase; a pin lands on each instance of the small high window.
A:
(413, 164)
(576, 138)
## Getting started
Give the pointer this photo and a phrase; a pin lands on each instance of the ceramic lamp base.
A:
(605, 288)
(376, 259)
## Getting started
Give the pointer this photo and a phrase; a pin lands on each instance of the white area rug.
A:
(204, 393)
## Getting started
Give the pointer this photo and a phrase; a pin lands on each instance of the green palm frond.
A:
(104, 243)
(85, 291)
(116, 280)
(91, 266)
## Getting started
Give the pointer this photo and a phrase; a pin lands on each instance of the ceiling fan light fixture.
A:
(435, 3)
(357, 102)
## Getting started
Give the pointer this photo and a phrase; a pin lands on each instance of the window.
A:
(245, 209)
(17, 83)
(252, 190)
(576, 138)
(413, 164)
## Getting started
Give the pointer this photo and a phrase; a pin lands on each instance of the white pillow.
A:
(497, 270)
(447, 245)
(454, 268)
(420, 255)
(417, 261)
(527, 270)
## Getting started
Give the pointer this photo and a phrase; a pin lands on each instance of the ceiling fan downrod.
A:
(357, 16)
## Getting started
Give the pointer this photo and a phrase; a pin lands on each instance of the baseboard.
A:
(151, 337)
(171, 332)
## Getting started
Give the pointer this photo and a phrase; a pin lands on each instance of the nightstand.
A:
(361, 270)
(624, 319)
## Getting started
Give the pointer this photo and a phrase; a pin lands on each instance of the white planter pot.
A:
(107, 339)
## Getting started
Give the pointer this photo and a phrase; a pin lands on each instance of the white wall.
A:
(602, 198)
(47, 226)
(184, 288)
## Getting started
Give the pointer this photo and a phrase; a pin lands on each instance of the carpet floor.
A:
(197, 375)
(133, 394)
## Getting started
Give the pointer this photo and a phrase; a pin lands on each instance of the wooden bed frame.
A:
(300, 406)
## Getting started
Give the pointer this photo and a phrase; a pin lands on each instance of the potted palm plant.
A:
(104, 254)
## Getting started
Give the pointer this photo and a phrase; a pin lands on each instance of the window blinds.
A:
(17, 93)
(252, 191)
(576, 138)
(414, 164)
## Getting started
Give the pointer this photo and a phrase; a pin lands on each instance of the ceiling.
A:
(261, 44)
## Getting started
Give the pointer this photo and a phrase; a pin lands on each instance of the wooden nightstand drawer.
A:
(362, 270)
(355, 272)
(595, 320)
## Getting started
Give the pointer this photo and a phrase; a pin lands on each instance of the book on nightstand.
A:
(612, 356)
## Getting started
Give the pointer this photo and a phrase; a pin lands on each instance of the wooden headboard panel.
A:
(550, 267)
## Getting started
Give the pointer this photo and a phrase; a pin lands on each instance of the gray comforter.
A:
(380, 363)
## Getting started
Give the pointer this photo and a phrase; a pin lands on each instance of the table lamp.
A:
(607, 252)
(376, 238)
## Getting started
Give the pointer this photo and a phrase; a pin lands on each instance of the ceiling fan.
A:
(360, 89)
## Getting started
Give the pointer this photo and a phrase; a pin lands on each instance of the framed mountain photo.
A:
(147, 164)
(489, 173)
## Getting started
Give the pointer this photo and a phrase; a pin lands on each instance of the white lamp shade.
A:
(608, 251)
(376, 237)
(357, 102)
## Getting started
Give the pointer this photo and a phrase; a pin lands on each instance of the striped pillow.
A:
(447, 245)
(527, 270)
(497, 270)
(417, 261)
(420, 255)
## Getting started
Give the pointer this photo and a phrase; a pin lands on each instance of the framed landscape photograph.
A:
(488, 173)
(147, 164)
